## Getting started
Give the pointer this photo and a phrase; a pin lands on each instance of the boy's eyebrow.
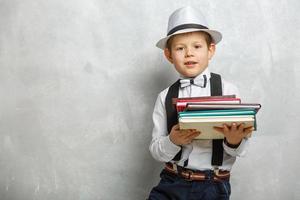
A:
(184, 44)
(198, 41)
(179, 44)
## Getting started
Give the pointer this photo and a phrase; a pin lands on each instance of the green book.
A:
(228, 112)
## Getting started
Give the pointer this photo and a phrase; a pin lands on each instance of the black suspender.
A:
(171, 111)
(216, 90)
(217, 145)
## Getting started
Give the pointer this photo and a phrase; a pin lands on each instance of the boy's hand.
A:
(234, 133)
(182, 137)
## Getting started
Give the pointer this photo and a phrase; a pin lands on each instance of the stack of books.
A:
(204, 113)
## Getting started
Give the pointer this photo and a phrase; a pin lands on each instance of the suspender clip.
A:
(216, 171)
(175, 167)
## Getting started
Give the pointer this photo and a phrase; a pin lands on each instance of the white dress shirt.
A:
(199, 152)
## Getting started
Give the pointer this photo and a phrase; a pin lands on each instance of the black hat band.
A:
(186, 26)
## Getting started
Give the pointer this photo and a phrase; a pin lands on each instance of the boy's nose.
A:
(188, 52)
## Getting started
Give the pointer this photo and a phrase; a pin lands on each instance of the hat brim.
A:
(216, 36)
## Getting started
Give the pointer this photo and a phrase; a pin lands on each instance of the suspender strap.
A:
(172, 118)
(217, 144)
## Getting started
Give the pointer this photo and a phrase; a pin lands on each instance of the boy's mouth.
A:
(190, 63)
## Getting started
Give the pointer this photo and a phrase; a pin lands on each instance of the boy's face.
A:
(189, 53)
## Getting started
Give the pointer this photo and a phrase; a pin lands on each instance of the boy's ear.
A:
(168, 55)
(211, 51)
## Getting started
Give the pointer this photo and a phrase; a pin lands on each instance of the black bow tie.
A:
(200, 81)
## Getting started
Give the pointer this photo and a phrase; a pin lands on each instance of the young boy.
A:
(195, 169)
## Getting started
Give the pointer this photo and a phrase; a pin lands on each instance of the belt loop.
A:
(190, 174)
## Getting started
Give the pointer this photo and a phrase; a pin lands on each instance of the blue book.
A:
(228, 112)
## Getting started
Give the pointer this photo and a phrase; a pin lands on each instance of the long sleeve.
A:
(161, 148)
(229, 88)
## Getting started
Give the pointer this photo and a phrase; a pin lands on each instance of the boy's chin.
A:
(190, 75)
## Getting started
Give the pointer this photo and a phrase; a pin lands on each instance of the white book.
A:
(205, 124)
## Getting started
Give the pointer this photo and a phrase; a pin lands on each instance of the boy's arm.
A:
(239, 150)
(161, 147)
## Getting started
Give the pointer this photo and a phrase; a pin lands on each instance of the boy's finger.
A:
(184, 132)
(219, 129)
(189, 130)
(196, 134)
(251, 128)
(191, 135)
(175, 127)
(226, 129)
(187, 134)
(233, 126)
(241, 127)
(248, 130)
(181, 134)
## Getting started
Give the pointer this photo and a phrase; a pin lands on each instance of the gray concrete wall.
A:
(78, 81)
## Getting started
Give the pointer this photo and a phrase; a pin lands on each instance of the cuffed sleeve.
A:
(239, 151)
(161, 147)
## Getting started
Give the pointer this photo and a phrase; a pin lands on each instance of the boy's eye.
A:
(198, 46)
(179, 48)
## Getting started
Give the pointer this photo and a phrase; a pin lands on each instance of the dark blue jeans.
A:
(173, 187)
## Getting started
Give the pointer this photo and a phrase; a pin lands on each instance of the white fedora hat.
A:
(184, 20)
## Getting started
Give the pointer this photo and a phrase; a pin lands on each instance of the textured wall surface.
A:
(78, 81)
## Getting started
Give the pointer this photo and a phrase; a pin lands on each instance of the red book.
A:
(181, 103)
